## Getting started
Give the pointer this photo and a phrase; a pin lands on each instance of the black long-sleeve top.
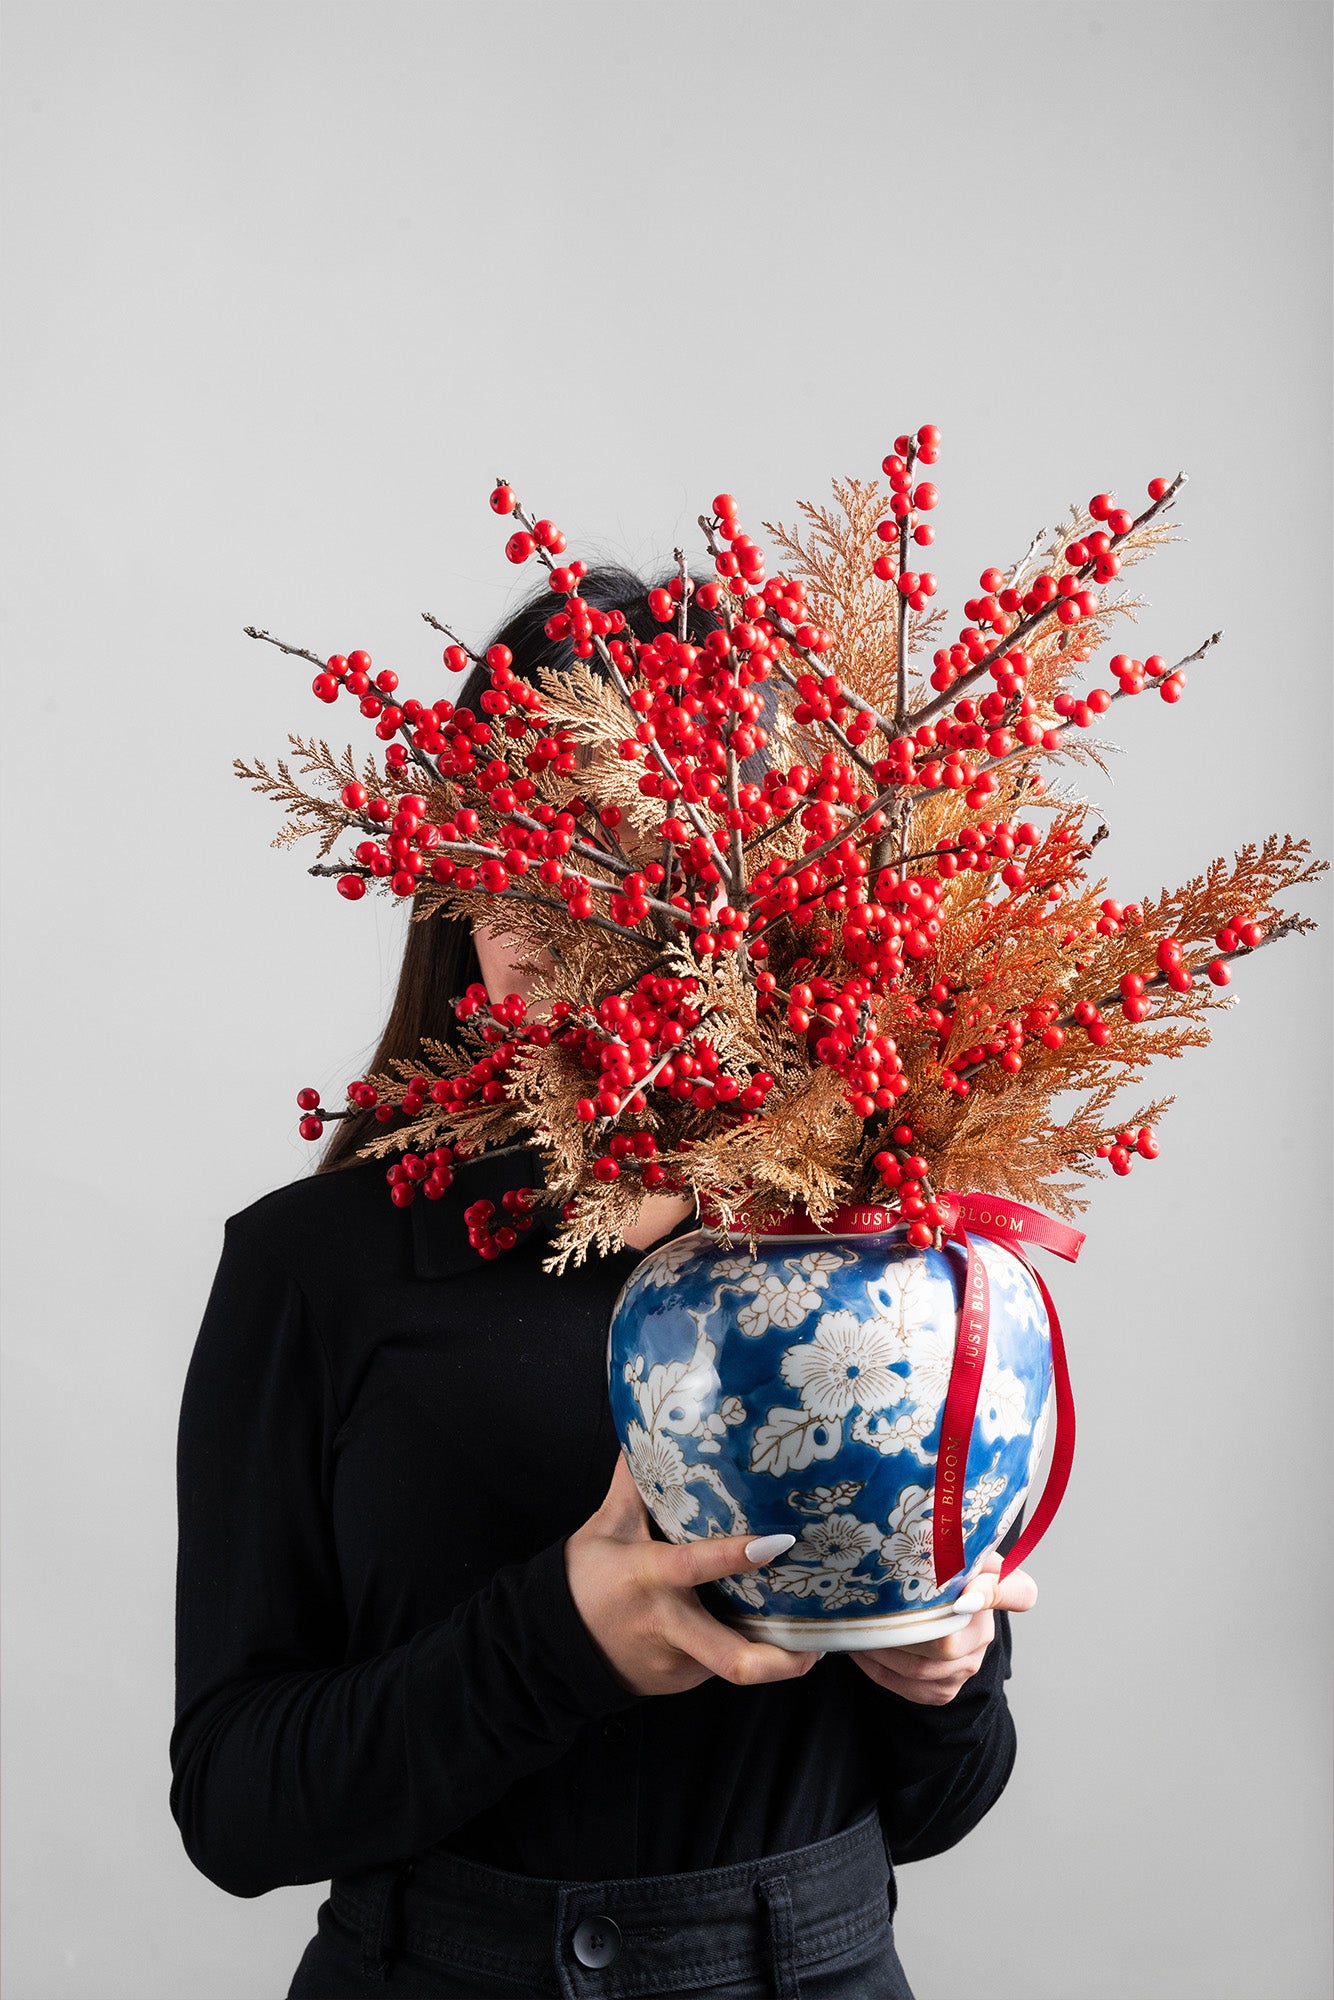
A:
(384, 1443)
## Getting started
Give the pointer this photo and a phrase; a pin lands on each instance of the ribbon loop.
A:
(1017, 1226)
(1011, 1222)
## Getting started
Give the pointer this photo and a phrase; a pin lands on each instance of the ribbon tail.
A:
(1063, 1445)
(958, 1416)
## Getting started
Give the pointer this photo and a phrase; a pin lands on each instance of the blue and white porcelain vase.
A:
(801, 1391)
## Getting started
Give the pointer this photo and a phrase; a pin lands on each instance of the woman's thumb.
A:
(623, 1511)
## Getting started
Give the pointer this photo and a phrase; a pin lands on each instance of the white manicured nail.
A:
(765, 1547)
(971, 1600)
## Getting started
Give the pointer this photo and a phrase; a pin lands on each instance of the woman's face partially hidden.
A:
(509, 966)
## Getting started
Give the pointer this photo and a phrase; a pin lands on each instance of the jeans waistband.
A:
(635, 1935)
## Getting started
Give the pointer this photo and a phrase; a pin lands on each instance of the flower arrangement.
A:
(881, 971)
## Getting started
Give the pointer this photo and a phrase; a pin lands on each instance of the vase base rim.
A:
(852, 1635)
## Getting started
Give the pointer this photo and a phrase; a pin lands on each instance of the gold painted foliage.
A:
(1007, 960)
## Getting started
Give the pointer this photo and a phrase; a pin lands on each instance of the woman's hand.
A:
(657, 1214)
(934, 1672)
(637, 1598)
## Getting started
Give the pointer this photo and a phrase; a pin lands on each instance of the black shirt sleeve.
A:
(285, 1768)
(939, 1770)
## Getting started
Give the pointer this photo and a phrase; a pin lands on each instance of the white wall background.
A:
(287, 285)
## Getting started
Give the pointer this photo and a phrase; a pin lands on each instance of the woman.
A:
(430, 1648)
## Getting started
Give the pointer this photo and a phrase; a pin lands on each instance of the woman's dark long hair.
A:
(439, 960)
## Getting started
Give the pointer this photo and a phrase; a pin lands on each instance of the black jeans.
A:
(815, 1923)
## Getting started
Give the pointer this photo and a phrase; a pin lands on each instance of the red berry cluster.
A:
(489, 1242)
(905, 1173)
(647, 1040)
(1120, 1152)
(433, 1171)
(805, 876)
(837, 1022)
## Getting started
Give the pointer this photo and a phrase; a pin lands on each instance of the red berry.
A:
(352, 886)
(311, 1128)
(502, 500)
(308, 1100)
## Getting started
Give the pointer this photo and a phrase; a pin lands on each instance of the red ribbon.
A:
(1017, 1226)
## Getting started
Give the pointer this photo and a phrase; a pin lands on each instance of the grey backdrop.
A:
(287, 285)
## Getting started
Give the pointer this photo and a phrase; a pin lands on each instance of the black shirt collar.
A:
(440, 1246)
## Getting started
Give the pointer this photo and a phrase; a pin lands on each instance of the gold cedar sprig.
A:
(884, 971)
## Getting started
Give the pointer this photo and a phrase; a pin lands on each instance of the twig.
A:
(1041, 749)
(498, 854)
(299, 652)
(1116, 998)
(740, 893)
(687, 592)
(901, 652)
(1030, 624)
(453, 637)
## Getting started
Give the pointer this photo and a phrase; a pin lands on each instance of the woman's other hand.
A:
(658, 1214)
(933, 1672)
(637, 1598)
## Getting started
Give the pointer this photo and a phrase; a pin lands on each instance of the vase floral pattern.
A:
(801, 1391)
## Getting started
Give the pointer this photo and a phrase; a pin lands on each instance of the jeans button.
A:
(596, 1941)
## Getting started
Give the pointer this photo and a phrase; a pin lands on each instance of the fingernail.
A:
(972, 1600)
(765, 1547)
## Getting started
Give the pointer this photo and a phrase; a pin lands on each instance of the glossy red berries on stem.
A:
(805, 878)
